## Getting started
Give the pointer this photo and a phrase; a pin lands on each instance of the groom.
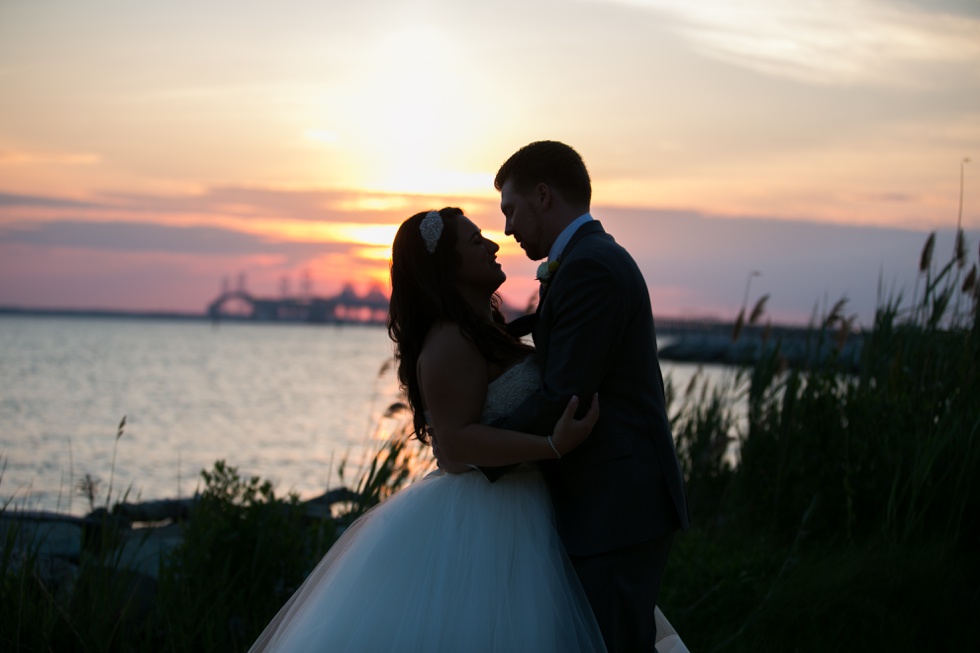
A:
(619, 497)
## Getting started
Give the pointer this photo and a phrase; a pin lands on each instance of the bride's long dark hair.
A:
(423, 292)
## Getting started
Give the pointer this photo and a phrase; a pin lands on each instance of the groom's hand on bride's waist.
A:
(444, 463)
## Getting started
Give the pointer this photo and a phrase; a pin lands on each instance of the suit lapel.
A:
(590, 227)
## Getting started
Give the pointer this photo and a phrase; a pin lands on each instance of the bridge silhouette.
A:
(346, 307)
(372, 308)
(685, 339)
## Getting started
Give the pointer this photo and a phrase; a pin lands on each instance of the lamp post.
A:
(959, 216)
(959, 248)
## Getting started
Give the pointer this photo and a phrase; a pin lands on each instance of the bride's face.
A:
(478, 269)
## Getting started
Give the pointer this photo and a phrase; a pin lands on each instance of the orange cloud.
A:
(14, 157)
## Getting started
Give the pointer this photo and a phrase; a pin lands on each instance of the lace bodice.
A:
(507, 391)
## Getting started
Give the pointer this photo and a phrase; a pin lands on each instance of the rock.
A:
(43, 534)
(144, 548)
(155, 511)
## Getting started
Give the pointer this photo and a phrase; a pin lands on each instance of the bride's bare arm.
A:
(454, 377)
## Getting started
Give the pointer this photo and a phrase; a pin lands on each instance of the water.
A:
(284, 402)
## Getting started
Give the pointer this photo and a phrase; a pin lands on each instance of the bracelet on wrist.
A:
(553, 447)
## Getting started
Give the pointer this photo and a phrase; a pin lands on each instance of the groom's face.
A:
(523, 220)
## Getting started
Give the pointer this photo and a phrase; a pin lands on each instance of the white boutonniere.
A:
(546, 270)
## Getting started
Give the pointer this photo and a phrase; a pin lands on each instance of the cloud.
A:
(266, 209)
(896, 198)
(803, 264)
(255, 203)
(9, 157)
(695, 262)
(136, 237)
(12, 200)
(827, 42)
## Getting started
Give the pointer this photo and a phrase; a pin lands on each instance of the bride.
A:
(453, 562)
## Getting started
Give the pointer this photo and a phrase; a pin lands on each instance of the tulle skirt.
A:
(451, 563)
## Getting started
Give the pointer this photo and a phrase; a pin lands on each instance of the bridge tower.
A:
(306, 285)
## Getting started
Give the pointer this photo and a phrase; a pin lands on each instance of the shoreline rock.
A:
(138, 534)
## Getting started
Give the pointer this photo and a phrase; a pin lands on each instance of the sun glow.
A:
(375, 235)
(405, 118)
(373, 253)
(379, 235)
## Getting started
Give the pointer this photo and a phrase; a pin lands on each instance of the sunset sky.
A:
(149, 151)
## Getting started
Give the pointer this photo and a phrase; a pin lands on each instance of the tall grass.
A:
(850, 516)
(244, 550)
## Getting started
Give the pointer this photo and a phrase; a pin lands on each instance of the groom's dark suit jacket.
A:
(595, 332)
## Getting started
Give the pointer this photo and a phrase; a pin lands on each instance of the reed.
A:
(851, 515)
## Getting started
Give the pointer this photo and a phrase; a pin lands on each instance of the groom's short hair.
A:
(549, 162)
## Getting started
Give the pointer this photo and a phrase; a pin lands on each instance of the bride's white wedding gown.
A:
(451, 563)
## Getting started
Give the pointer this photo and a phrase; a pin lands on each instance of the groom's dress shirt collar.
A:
(566, 235)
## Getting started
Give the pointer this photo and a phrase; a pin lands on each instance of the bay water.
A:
(286, 402)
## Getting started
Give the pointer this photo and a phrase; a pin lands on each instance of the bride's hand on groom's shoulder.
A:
(570, 432)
